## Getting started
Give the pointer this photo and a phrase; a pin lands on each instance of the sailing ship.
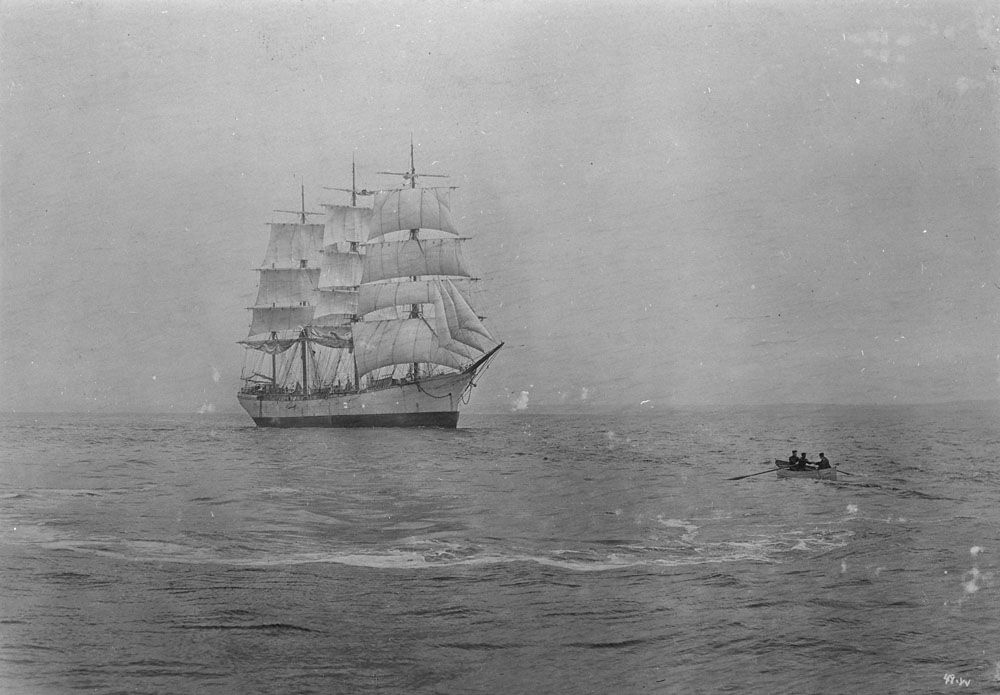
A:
(369, 319)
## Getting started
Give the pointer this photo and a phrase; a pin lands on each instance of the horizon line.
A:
(556, 409)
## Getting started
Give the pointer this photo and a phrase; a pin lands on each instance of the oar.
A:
(741, 477)
(844, 472)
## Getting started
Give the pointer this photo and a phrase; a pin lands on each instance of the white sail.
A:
(335, 307)
(346, 224)
(456, 322)
(279, 319)
(291, 244)
(443, 333)
(411, 208)
(468, 320)
(341, 267)
(413, 257)
(382, 295)
(286, 287)
(399, 341)
(308, 348)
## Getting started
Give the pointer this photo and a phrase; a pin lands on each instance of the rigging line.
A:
(428, 393)
(466, 396)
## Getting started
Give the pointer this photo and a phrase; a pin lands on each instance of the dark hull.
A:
(448, 420)
(434, 401)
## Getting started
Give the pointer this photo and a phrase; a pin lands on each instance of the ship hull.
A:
(432, 402)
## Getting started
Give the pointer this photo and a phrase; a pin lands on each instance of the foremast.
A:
(411, 177)
(417, 294)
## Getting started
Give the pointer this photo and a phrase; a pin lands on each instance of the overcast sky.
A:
(671, 202)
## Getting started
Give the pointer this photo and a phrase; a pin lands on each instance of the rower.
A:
(794, 458)
(803, 461)
(824, 462)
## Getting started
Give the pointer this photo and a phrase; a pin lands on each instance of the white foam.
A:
(691, 529)
(972, 585)
(416, 553)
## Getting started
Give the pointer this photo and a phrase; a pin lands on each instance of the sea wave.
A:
(602, 556)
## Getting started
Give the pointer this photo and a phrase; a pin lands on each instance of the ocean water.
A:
(522, 553)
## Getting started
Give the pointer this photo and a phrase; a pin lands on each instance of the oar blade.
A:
(750, 475)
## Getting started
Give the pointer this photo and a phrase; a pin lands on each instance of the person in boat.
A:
(803, 462)
(824, 462)
(794, 458)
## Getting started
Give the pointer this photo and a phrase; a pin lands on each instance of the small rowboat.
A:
(821, 474)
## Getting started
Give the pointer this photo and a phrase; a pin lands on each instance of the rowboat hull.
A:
(785, 464)
(820, 474)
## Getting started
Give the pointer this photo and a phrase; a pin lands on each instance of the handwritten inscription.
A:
(952, 679)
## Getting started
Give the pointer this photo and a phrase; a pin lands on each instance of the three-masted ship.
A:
(370, 319)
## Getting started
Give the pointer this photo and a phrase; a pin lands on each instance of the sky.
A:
(672, 203)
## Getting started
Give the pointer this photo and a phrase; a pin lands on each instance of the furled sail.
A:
(346, 224)
(291, 244)
(341, 267)
(272, 346)
(411, 208)
(399, 341)
(330, 336)
(413, 257)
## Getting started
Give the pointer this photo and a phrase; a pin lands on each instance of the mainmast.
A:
(347, 227)
(353, 190)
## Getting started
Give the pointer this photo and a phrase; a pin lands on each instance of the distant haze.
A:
(671, 203)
